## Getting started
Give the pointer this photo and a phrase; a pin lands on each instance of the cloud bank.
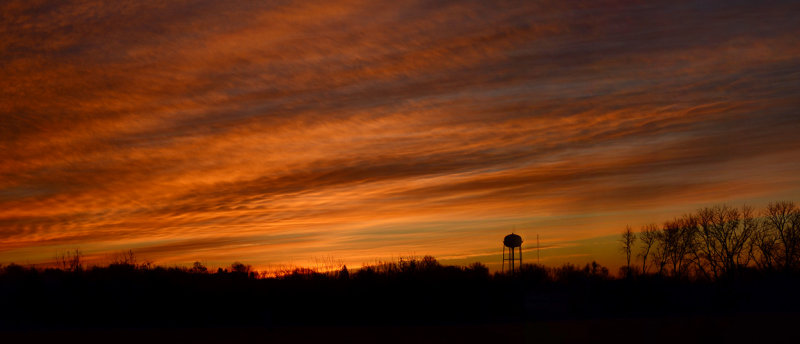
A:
(279, 132)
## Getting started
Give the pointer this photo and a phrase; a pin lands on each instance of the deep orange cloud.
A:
(279, 133)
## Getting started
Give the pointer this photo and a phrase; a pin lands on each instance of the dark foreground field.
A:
(410, 301)
(739, 328)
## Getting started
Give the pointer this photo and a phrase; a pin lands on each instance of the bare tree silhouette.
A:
(766, 247)
(70, 260)
(721, 241)
(725, 233)
(783, 219)
(628, 240)
(124, 258)
(649, 238)
(679, 239)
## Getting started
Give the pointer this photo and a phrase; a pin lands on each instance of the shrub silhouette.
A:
(198, 268)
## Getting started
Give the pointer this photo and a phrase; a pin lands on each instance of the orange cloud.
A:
(278, 133)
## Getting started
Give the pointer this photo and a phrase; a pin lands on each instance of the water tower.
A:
(514, 243)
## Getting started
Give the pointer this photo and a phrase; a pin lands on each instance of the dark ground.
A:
(740, 328)
(433, 304)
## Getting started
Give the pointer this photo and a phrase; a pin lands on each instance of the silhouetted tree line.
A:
(678, 269)
(128, 293)
(719, 242)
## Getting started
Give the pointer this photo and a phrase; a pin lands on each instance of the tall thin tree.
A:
(628, 240)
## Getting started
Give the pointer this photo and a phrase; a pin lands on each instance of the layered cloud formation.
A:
(278, 132)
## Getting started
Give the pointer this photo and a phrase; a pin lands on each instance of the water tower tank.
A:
(512, 240)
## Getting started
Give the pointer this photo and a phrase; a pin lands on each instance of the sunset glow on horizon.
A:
(285, 133)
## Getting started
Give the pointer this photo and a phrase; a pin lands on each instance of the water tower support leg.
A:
(512, 260)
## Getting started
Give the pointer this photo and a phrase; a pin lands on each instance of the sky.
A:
(292, 133)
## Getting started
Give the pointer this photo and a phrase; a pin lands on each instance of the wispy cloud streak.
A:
(280, 132)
